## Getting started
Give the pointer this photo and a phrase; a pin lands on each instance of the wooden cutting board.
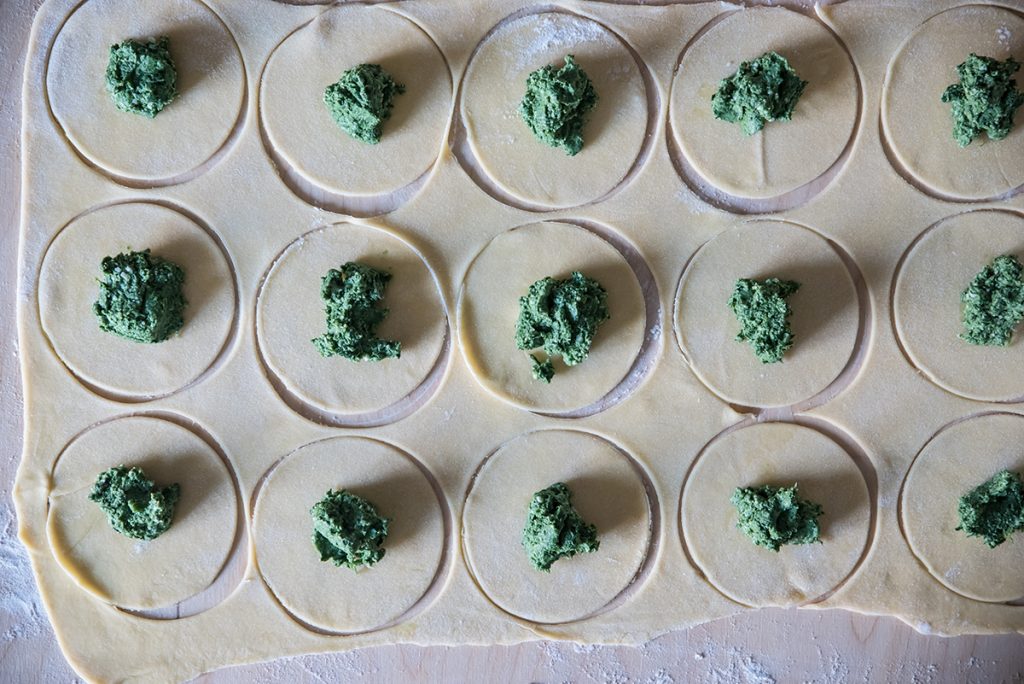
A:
(762, 647)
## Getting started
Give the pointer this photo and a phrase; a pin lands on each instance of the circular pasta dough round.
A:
(919, 126)
(778, 454)
(495, 514)
(210, 82)
(489, 308)
(505, 148)
(335, 598)
(300, 127)
(955, 461)
(290, 313)
(824, 321)
(928, 313)
(132, 573)
(111, 364)
(784, 155)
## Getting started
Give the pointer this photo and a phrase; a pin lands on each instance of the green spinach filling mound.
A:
(773, 516)
(761, 90)
(350, 296)
(361, 101)
(763, 312)
(134, 506)
(560, 317)
(556, 105)
(347, 530)
(994, 509)
(141, 78)
(994, 302)
(140, 297)
(984, 100)
(554, 529)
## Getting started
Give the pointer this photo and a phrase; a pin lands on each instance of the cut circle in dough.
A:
(918, 125)
(190, 131)
(130, 573)
(318, 593)
(290, 313)
(928, 313)
(489, 307)
(577, 587)
(522, 167)
(68, 286)
(300, 128)
(957, 459)
(784, 155)
(778, 454)
(824, 322)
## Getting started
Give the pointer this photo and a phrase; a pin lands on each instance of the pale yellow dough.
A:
(504, 146)
(320, 593)
(918, 124)
(954, 462)
(68, 287)
(290, 313)
(929, 314)
(256, 225)
(132, 573)
(301, 129)
(784, 155)
(489, 309)
(190, 130)
(824, 320)
(776, 454)
(607, 492)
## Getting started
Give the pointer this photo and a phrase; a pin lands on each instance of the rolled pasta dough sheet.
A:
(465, 244)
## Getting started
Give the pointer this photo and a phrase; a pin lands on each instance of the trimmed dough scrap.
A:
(597, 473)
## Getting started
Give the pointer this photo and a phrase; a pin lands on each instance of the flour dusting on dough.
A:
(554, 31)
(1005, 35)
(19, 600)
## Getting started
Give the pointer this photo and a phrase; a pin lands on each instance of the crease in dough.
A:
(784, 155)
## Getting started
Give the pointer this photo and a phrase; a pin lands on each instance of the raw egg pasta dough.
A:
(863, 198)
(130, 573)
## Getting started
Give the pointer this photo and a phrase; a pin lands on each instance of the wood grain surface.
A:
(762, 647)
